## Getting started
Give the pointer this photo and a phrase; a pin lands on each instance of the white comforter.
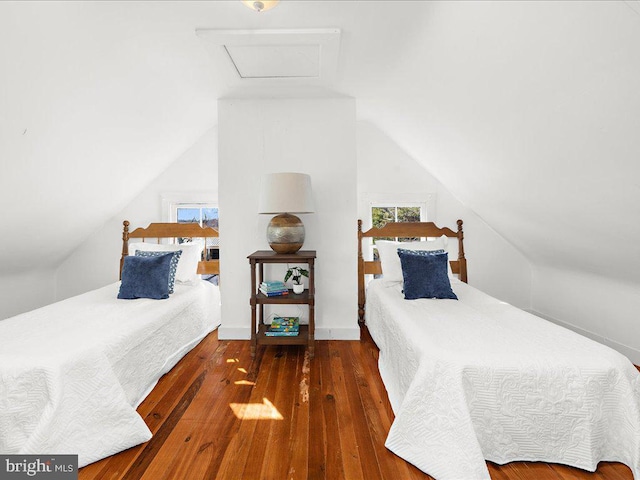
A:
(72, 373)
(479, 379)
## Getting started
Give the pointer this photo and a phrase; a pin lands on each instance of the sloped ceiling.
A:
(526, 111)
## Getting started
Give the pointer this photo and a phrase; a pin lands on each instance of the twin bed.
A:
(476, 379)
(72, 373)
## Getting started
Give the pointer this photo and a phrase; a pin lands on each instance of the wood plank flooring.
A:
(221, 415)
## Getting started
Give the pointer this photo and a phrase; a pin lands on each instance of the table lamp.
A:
(285, 194)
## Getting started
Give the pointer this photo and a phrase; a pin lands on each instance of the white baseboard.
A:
(629, 352)
(244, 333)
(338, 333)
(237, 333)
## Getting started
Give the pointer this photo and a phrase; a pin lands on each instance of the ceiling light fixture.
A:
(260, 6)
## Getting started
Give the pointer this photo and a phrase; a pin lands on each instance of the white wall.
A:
(26, 291)
(313, 136)
(597, 307)
(386, 172)
(96, 261)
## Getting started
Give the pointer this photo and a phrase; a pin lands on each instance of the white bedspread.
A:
(479, 379)
(72, 373)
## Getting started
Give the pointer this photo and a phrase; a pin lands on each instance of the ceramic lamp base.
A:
(285, 233)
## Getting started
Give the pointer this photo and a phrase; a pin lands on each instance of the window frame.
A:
(171, 203)
(390, 204)
(173, 209)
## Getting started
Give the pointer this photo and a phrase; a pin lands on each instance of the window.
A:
(380, 216)
(204, 214)
(405, 212)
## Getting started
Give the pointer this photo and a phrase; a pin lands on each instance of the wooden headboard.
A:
(172, 230)
(405, 230)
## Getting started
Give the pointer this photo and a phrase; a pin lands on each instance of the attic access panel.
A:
(258, 57)
(275, 61)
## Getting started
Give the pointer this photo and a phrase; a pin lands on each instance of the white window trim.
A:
(422, 205)
(170, 201)
(426, 202)
(173, 209)
(423, 212)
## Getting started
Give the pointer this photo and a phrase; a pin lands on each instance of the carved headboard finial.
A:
(125, 245)
(461, 258)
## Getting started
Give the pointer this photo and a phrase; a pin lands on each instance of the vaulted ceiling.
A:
(526, 111)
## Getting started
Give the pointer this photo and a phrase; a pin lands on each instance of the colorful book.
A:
(274, 294)
(272, 285)
(281, 288)
(283, 327)
(273, 290)
(282, 323)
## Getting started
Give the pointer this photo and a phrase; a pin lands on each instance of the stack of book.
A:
(273, 288)
(283, 327)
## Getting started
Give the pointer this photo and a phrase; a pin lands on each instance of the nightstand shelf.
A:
(291, 298)
(301, 339)
(258, 300)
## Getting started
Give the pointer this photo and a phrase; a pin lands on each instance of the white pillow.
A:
(188, 263)
(388, 252)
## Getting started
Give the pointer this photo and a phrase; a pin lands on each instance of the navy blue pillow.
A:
(174, 263)
(145, 277)
(425, 274)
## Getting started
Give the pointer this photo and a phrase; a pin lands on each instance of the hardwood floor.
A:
(220, 414)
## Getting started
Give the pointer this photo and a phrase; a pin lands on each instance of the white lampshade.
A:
(286, 193)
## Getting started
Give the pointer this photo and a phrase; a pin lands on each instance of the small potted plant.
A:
(296, 274)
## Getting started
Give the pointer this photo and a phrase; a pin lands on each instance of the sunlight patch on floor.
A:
(304, 383)
(244, 382)
(256, 411)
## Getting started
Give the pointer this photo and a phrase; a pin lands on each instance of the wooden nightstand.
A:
(259, 300)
